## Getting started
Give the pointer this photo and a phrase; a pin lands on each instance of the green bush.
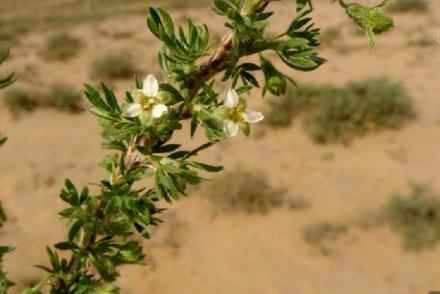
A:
(117, 64)
(18, 100)
(244, 190)
(59, 96)
(61, 47)
(416, 217)
(336, 114)
(408, 6)
(63, 97)
(321, 234)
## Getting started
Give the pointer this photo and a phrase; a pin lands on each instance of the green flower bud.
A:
(276, 82)
(370, 20)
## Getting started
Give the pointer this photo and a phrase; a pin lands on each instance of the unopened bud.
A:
(276, 82)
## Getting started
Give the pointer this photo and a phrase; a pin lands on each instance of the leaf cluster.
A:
(296, 46)
(181, 47)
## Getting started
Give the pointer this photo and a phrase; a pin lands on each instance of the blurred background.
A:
(337, 191)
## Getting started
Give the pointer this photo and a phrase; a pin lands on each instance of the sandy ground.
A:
(197, 252)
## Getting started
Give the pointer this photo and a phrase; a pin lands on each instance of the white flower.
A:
(158, 110)
(147, 101)
(237, 113)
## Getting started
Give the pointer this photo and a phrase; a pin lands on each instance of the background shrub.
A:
(59, 96)
(63, 97)
(117, 64)
(336, 114)
(408, 6)
(61, 47)
(321, 234)
(19, 100)
(244, 190)
(416, 217)
(281, 111)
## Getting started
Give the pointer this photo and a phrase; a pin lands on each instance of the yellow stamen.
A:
(236, 114)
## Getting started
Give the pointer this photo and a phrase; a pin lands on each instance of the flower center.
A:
(236, 114)
(148, 102)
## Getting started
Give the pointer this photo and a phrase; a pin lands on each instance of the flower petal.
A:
(159, 110)
(150, 86)
(132, 110)
(252, 116)
(231, 128)
(231, 98)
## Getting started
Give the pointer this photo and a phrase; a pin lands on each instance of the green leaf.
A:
(167, 22)
(221, 7)
(166, 148)
(143, 150)
(292, 43)
(194, 124)
(84, 195)
(74, 229)
(213, 127)
(138, 83)
(111, 98)
(105, 268)
(160, 189)
(301, 4)
(170, 89)
(53, 258)
(198, 149)
(168, 184)
(207, 167)
(93, 96)
(302, 63)
(44, 268)
(115, 145)
(66, 246)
